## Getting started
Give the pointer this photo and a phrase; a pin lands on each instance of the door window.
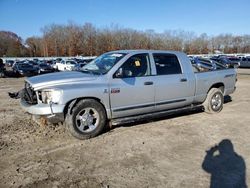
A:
(136, 66)
(166, 64)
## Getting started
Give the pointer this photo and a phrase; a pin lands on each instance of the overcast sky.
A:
(27, 17)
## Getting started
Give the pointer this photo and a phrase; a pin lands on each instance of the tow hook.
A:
(52, 113)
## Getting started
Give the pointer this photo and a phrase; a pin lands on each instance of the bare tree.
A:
(34, 46)
(74, 39)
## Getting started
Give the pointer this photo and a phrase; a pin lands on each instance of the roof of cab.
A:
(144, 51)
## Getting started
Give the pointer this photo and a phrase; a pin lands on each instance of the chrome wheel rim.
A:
(216, 101)
(87, 120)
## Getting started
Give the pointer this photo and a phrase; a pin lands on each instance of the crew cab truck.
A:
(122, 86)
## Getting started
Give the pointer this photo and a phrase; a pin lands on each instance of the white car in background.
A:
(66, 65)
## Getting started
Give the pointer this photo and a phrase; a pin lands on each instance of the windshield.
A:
(43, 65)
(70, 63)
(234, 59)
(32, 62)
(103, 63)
(24, 66)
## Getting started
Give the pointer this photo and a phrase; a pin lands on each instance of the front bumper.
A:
(53, 113)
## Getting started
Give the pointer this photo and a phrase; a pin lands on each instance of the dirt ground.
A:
(162, 153)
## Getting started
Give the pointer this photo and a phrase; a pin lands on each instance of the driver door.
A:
(132, 88)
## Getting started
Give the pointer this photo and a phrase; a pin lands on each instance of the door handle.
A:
(183, 80)
(148, 83)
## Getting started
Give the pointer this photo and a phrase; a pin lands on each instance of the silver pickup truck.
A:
(124, 86)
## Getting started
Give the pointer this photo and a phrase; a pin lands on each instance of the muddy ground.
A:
(162, 153)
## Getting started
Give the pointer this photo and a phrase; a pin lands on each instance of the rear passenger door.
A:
(172, 88)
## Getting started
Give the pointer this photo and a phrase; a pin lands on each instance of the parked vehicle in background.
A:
(44, 68)
(2, 69)
(81, 63)
(56, 63)
(66, 65)
(229, 61)
(205, 64)
(9, 63)
(59, 59)
(125, 86)
(24, 69)
(88, 60)
(15, 64)
(33, 64)
(2, 72)
(50, 62)
(79, 66)
(245, 62)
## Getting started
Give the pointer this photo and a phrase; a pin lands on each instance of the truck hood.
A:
(59, 78)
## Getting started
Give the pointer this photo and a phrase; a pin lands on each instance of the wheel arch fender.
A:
(72, 103)
(218, 85)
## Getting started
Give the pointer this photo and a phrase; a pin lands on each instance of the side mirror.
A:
(119, 73)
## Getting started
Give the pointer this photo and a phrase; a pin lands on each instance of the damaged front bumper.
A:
(52, 112)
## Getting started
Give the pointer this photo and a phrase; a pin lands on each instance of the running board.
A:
(153, 115)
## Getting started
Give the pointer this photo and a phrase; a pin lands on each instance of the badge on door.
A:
(115, 90)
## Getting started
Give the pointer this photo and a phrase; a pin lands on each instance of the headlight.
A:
(51, 95)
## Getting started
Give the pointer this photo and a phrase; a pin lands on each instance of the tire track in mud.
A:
(45, 151)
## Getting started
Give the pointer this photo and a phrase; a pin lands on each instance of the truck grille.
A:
(29, 95)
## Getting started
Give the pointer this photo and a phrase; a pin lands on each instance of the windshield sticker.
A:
(137, 63)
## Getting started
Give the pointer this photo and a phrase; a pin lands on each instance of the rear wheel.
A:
(87, 120)
(214, 101)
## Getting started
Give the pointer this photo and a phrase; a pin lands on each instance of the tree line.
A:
(87, 40)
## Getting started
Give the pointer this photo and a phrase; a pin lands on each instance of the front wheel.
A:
(214, 101)
(87, 120)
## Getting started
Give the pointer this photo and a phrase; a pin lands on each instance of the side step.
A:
(153, 115)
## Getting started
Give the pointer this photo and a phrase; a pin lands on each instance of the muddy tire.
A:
(87, 120)
(214, 101)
